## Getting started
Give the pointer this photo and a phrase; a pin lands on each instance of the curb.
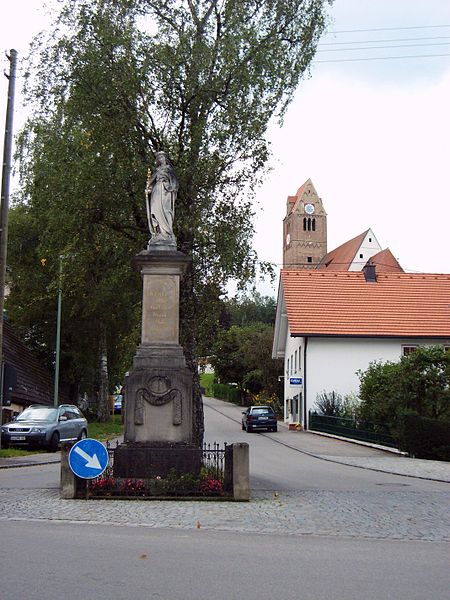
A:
(28, 464)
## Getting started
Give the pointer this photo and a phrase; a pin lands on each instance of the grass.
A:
(206, 381)
(106, 431)
(13, 452)
(98, 431)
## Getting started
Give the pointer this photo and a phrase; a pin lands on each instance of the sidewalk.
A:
(30, 460)
(34, 460)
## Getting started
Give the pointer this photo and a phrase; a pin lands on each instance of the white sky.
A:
(373, 135)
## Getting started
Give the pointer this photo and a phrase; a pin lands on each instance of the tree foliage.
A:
(419, 383)
(243, 356)
(116, 81)
(249, 309)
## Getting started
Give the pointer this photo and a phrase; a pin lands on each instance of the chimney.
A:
(369, 271)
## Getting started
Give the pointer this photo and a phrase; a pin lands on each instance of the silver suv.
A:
(45, 426)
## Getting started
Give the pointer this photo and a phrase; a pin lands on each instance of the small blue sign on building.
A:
(295, 381)
(88, 458)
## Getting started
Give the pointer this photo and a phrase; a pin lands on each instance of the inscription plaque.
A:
(160, 309)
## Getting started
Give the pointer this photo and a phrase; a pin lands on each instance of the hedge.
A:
(424, 438)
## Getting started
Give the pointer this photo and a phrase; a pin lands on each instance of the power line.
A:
(437, 37)
(382, 47)
(389, 29)
(381, 58)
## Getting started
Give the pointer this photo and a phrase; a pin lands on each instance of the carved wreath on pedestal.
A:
(157, 393)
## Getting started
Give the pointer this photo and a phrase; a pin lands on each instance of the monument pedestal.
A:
(158, 433)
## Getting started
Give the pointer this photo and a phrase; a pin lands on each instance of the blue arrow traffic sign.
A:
(88, 458)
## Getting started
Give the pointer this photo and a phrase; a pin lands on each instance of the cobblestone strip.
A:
(384, 515)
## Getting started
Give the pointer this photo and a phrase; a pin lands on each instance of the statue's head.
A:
(161, 158)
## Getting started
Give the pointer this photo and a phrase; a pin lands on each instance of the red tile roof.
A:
(386, 262)
(342, 257)
(292, 200)
(342, 303)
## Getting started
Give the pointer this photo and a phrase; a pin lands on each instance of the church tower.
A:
(304, 229)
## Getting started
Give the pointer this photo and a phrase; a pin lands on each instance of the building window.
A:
(361, 256)
(446, 348)
(310, 259)
(304, 223)
(313, 224)
(287, 372)
(295, 361)
(408, 349)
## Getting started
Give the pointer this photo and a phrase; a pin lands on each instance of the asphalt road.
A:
(314, 530)
(65, 560)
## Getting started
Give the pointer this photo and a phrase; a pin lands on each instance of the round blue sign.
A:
(88, 458)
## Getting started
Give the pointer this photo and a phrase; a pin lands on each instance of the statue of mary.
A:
(160, 195)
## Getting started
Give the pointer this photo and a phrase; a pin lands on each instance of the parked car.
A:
(45, 427)
(259, 417)
(118, 404)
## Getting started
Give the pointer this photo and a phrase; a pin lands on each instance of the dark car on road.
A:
(259, 417)
(45, 427)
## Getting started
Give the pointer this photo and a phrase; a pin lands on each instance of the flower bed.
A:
(173, 486)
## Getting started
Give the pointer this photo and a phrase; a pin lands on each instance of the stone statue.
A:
(160, 195)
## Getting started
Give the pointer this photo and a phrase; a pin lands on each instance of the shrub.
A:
(329, 404)
(423, 437)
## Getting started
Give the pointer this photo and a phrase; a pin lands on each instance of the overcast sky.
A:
(373, 135)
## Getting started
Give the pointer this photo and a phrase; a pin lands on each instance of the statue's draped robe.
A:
(163, 190)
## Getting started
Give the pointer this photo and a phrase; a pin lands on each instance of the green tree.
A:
(243, 356)
(116, 82)
(249, 309)
(419, 382)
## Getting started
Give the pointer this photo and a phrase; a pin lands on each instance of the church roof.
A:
(292, 200)
(343, 303)
(386, 262)
(342, 257)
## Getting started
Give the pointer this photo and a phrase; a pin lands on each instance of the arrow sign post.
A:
(88, 458)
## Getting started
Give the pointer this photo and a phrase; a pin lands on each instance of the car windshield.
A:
(38, 414)
(262, 411)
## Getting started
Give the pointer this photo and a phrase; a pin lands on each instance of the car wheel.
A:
(248, 429)
(275, 428)
(243, 426)
(83, 435)
(54, 442)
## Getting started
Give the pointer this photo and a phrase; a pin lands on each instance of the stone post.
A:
(70, 486)
(237, 471)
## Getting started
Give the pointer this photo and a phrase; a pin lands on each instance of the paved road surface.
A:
(315, 528)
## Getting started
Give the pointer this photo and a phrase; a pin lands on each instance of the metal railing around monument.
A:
(210, 482)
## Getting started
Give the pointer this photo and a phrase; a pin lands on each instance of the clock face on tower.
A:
(309, 209)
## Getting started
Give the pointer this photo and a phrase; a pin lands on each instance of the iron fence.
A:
(209, 482)
(355, 429)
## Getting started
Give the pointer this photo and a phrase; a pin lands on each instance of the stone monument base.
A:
(149, 460)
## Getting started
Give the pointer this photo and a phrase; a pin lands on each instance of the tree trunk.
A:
(188, 331)
(103, 412)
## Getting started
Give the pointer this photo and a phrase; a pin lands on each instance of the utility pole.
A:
(58, 335)
(6, 176)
